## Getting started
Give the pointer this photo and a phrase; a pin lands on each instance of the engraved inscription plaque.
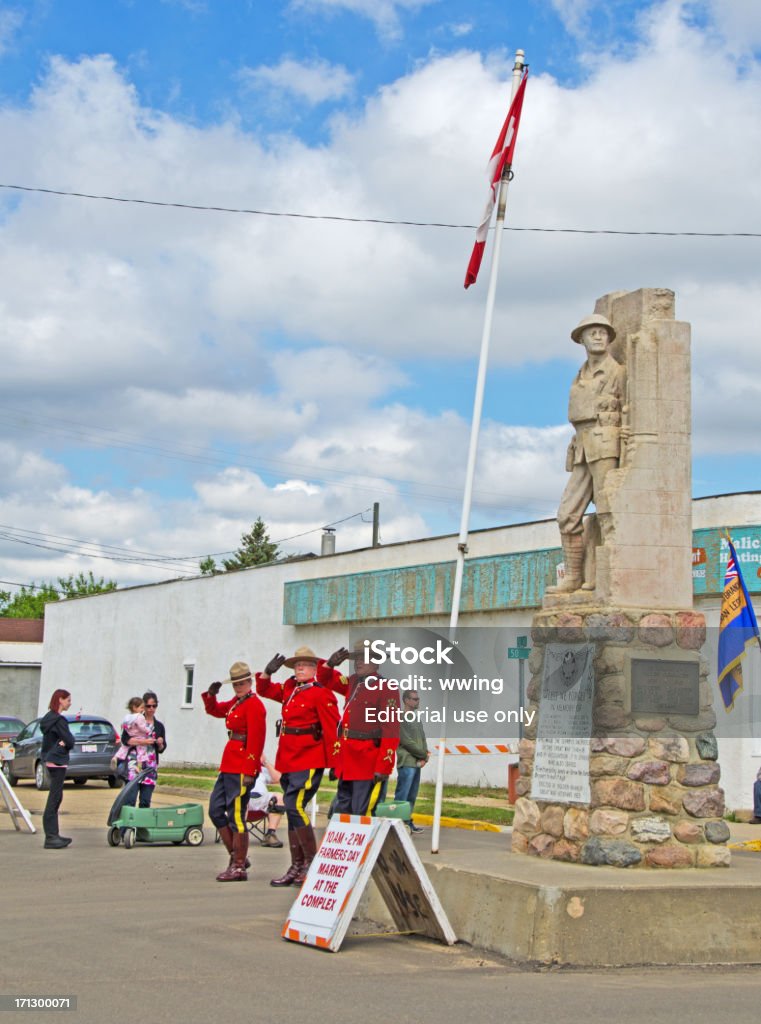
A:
(665, 687)
(561, 757)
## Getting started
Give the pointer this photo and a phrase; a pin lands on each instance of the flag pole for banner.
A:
(462, 540)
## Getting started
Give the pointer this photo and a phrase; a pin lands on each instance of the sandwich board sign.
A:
(354, 849)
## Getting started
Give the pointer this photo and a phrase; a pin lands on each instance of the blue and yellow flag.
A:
(737, 628)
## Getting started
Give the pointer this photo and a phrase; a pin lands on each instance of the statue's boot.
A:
(573, 549)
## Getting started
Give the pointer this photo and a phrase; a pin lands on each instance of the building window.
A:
(187, 695)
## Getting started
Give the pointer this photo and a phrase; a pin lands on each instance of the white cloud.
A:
(315, 81)
(385, 14)
(11, 20)
(280, 341)
(739, 21)
(573, 13)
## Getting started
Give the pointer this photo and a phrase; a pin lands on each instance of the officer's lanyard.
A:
(240, 701)
(360, 685)
(297, 689)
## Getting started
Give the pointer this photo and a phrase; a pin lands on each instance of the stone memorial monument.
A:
(620, 764)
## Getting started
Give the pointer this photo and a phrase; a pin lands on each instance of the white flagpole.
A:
(462, 540)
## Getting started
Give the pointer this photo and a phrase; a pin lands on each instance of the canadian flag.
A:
(501, 157)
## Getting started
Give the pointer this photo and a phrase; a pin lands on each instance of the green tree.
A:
(256, 548)
(29, 602)
(208, 567)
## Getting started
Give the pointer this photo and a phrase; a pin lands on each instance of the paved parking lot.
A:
(149, 934)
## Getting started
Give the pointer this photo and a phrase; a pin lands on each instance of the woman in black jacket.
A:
(57, 741)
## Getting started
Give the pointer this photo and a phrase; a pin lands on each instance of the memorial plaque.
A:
(561, 758)
(665, 687)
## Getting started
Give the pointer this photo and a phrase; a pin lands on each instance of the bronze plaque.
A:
(665, 687)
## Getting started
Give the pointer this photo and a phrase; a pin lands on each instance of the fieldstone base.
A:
(655, 799)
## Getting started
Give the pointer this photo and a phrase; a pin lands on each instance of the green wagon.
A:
(182, 823)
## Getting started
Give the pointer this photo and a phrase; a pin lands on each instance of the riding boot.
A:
(308, 842)
(226, 835)
(573, 550)
(236, 869)
(290, 875)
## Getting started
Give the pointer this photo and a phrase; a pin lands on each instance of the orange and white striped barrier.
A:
(481, 748)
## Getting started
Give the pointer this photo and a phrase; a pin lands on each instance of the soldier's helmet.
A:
(592, 321)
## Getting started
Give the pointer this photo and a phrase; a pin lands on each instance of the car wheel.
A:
(79, 782)
(129, 838)
(194, 836)
(12, 779)
(114, 782)
(114, 836)
(41, 776)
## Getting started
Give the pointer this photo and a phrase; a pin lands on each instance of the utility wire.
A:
(428, 491)
(375, 220)
(35, 538)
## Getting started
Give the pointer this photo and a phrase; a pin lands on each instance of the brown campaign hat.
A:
(238, 671)
(358, 651)
(302, 654)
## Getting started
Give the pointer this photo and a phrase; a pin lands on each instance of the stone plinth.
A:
(655, 799)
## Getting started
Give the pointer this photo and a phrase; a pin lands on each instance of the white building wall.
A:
(109, 647)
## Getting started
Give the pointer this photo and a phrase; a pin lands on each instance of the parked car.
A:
(95, 743)
(9, 729)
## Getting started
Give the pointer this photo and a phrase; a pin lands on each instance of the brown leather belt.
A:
(310, 730)
(357, 734)
(241, 736)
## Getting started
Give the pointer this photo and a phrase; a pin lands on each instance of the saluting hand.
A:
(215, 688)
(274, 664)
(338, 656)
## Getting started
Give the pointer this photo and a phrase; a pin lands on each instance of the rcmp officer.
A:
(245, 719)
(366, 743)
(595, 408)
(307, 734)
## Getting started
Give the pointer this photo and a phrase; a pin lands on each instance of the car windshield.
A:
(83, 730)
(11, 725)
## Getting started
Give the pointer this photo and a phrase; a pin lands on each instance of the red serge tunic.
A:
(244, 716)
(313, 711)
(374, 751)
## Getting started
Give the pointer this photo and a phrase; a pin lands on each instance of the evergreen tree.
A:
(256, 549)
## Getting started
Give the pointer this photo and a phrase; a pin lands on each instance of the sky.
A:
(170, 374)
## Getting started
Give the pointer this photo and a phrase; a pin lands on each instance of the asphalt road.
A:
(148, 935)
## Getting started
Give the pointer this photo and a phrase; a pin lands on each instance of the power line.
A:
(31, 586)
(428, 491)
(375, 220)
(114, 548)
(325, 527)
(36, 538)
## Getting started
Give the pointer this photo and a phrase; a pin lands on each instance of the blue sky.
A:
(171, 374)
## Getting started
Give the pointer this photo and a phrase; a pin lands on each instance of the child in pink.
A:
(142, 755)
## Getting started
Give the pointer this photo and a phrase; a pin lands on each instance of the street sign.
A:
(518, 652)
(522, 641)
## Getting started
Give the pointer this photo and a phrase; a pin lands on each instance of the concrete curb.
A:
(469, 824)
